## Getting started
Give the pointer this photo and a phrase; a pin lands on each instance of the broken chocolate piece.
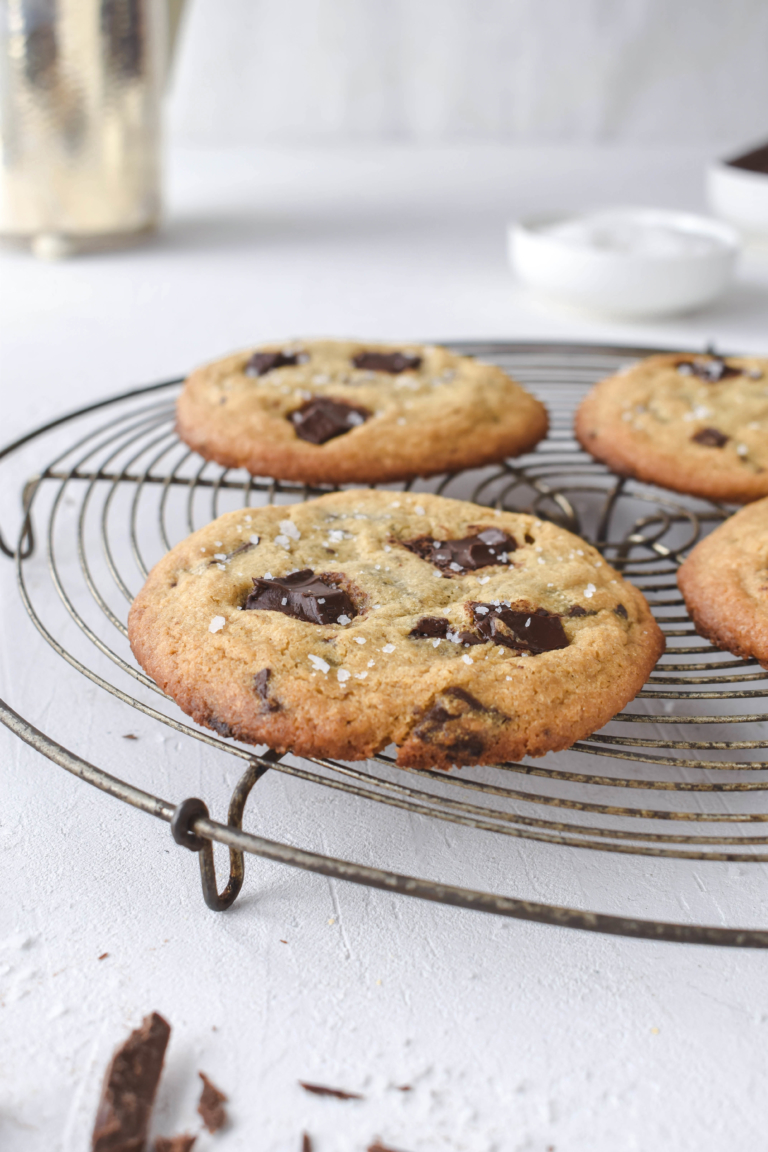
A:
(304, 596)
(489, 546)
(322, 419)
(262, 362)
(531, 630)
(754, 161)
(392, 362)
(129, 1090)
(337, 1093)
(211, 1106)
(710, 438)
(261, 688)
(712, 371)
(577, 610)
(183, 1143)
(221, 727)
(620, 610)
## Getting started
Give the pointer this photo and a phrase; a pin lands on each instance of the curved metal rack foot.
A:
(125, 489)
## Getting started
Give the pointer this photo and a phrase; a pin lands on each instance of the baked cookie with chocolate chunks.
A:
(693, 423)
(335, 411)
(366, 618)
(724, 581)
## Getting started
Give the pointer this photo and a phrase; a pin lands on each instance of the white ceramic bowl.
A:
(656, 280)
(740, 196)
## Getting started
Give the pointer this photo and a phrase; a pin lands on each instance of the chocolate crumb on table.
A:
(182, 1143)
(378, 1147)
(103, 956)
(306, 1143)
(211, 1106)
(337, 1093)
(129, 1090)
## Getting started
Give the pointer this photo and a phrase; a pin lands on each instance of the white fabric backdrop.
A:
(250, 71)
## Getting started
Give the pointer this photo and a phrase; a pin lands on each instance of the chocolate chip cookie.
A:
(725, 584)
(366, 618)
(333, 411)
(697, 424)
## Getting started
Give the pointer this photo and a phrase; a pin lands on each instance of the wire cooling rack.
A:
(676, 774)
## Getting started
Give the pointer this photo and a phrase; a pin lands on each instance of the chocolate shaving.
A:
(103, 956)
(337, 1093)
(302, 595)
(322, 419)
(183, 1143)
(211, 1106)
(262, 362)
(130, 1086)
(489, 546)
(525, 629)
(710, 438)
(306, 1143)
(130, 736)
(712, 371)
(392, 362)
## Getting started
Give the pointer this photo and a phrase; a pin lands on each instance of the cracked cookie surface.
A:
(367, 618)
(724, 581)
(334, 411)
(694, 423)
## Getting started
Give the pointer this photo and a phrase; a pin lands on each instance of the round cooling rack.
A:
(679, 773)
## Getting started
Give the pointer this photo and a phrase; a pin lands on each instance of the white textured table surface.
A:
(513, 1036)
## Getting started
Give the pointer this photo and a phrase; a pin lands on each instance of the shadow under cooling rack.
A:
(680, 773)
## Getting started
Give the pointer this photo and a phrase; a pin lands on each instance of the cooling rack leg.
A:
(181, 829)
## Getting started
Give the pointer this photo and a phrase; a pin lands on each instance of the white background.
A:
(645, 71)
(516, 1038)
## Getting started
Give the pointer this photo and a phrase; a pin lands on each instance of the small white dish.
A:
(737, 190)
(631, 263)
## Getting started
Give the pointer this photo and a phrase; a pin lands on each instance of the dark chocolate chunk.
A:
(620, 610)
(322, 419)
(753, 161)
(220, 727)
(710, 438)
(431, 627)
(577, 610)
(531, 630)
(458, 723)
(211, 1105)
(392, 362)
(337, 1093)
(261, 688)
(262, 362)
(304, 596)
(129, 1090)
(712, 371)
(182, 1143)
(489, 546)
(467, 697)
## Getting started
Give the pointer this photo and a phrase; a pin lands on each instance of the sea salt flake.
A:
(371, 663)
(222, 567)
(219, 555)
(359, 639)
(467, 659)
(216, 624)
(267, 576)
(253, 539)
(318, 663)
(483, 579)
(435, 643)
(288, 528)
(387, 548)
(480, 610)
(388, 648)
(343, 675)
(360, 675)
(742, 449)
(284, 542)
(419, 510)
(284, 601)
(219, 543)
(343, 619)
(454, 566)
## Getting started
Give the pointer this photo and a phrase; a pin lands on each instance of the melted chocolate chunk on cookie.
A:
(438, 628)
(531, 630)
(710, 438)
(392, 362)
(711, 371)
(261, 688)
(262, 362)
(577, 610)
(304, 596)
(490, 546)
(621, 611)
(220, 727)
(322, 419)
